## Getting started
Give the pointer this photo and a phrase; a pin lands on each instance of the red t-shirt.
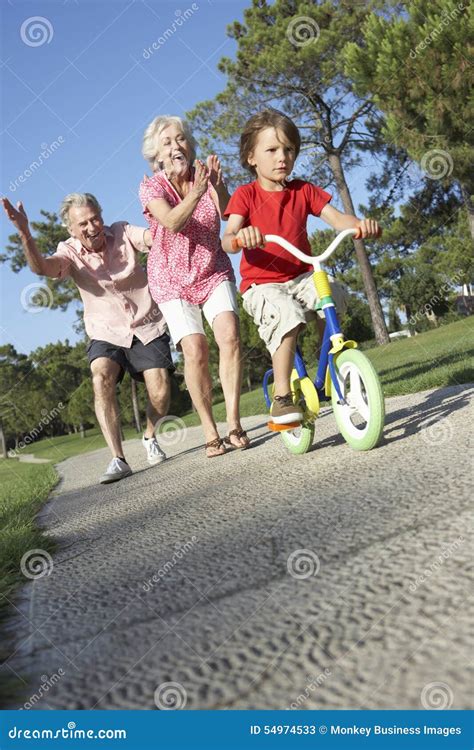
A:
(285, 213)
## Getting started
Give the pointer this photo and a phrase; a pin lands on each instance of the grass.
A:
(59, 448)
(433, 359)
(23, 490)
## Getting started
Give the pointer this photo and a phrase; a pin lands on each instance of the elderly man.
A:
(126, 328)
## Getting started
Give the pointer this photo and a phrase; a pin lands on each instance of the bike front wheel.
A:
(361, 418)
(299, 440)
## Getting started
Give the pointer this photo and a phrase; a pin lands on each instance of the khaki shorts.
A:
(278, 308)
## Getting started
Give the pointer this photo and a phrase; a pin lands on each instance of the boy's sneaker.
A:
(284, 411)
(154, 453)
(117, 469)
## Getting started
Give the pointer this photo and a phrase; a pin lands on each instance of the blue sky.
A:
(80, 84)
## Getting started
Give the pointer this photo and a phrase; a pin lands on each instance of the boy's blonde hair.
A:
(267, 118)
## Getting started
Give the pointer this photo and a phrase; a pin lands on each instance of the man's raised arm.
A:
(54, 266)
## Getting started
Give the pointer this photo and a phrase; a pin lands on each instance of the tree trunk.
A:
(3, 444)
(376, 312)
(469, 203)
(82, 430)
(136, 409)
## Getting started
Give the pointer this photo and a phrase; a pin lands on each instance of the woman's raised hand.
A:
(201, 178)
(16, 215)
(214, 169)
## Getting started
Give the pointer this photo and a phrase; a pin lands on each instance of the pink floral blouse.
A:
(189, 264)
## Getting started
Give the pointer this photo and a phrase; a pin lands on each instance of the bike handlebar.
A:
(312, 259)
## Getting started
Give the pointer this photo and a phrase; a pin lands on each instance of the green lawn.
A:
(23, 490)
(434, 359)
(59, 448)
(444, 356)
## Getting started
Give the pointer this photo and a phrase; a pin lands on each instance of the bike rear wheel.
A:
(361, 419)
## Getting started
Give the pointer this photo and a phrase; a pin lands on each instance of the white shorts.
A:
(183, 318)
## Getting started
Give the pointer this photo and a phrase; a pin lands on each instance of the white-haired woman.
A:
(189, 273)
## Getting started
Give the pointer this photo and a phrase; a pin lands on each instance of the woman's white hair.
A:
(150, 146)
(80, 200)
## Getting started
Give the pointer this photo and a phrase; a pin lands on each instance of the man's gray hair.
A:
(151, 136)
(80, 200)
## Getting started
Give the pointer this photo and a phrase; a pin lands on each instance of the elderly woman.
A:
(188, 272)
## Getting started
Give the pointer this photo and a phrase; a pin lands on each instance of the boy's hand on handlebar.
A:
(250, 237)
(368, 228)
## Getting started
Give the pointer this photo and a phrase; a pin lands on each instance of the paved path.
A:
(181, 573)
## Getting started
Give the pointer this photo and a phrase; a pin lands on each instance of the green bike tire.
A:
(299, 440)
(367, 435)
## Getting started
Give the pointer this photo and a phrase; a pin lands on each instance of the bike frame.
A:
(332, 331)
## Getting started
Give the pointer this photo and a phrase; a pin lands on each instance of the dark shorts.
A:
(137, 358)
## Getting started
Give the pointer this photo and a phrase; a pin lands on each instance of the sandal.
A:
(240, 434)
(216, 443)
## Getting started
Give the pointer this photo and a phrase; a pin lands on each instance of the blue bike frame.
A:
(326, 360)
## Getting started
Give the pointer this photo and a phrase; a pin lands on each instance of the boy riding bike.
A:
(278, 290)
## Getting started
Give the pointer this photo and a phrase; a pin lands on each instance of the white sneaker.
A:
(117, 469)
(154, 453)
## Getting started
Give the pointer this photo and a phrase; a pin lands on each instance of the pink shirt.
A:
(189, 264)
(113, 286)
